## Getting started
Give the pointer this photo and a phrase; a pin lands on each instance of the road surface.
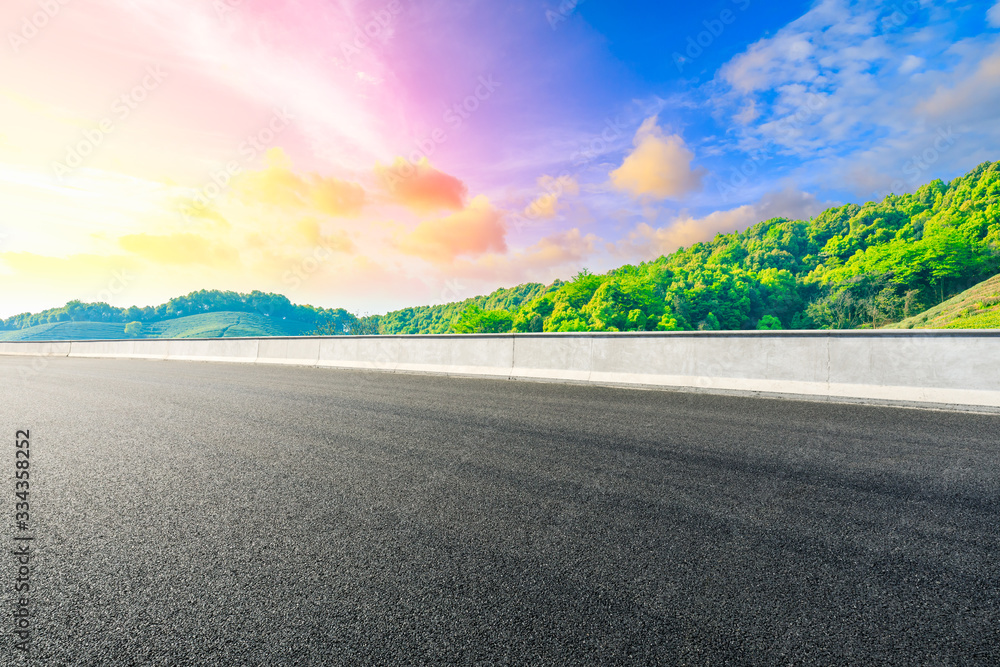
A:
(200, 513)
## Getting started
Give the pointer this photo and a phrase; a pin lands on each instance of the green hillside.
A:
(440, 319)
(207, 325)
(67, 331)
(975, 308)
(852, 266)
(227, 324)
(207, 313)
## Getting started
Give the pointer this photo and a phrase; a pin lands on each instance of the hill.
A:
(228, 325)
(441, 319)
(261, 313)
(207, 325)
(852, 266)
(975, 308)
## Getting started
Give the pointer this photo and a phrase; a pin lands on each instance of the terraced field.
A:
(68, 331)
(207, 325)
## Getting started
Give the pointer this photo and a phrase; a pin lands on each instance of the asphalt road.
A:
(196, 513)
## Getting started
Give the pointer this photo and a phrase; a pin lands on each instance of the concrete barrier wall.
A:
(32, 349)
(295, 351)
(457, 355)
(902, 367)
(148, 349)
(112, 349)
(216, 349)
(367, 352)
(559, 357)
(104, 349)
(730, 363)
(920, 369)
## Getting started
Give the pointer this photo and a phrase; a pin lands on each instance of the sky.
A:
(377, 154)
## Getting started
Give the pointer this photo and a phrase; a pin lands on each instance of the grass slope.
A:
(225, 325)
(976, 308)
(67, 331)
(207, 325)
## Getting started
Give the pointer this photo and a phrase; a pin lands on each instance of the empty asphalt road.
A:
(197, 513)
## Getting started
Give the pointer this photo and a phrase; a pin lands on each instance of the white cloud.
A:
(911, 63)
(658, 167)
(975, 97)
(993, 15)
(851, 89)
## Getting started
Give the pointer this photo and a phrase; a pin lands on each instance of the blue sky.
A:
(787, 107)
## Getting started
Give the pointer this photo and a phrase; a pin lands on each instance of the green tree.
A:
(636, 320)
(769, 323)
(476, 320)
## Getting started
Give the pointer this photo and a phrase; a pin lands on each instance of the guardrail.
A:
(950, 368)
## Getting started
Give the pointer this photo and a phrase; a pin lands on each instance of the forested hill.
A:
(272, 306)
(850, 266)
(442, 319)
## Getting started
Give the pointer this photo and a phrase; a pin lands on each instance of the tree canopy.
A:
(850, 266)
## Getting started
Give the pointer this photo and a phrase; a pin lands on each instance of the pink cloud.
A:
(421, 187)
(473, 231)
